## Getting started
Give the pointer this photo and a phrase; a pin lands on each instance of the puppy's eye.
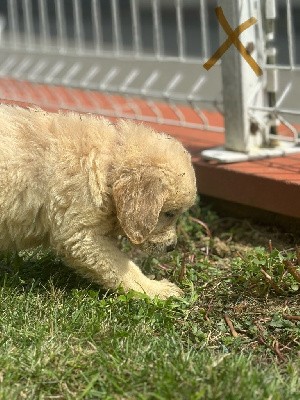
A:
(170, 214)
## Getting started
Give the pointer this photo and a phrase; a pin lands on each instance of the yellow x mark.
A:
(233, 39)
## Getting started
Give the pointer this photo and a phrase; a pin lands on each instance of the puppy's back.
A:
(43, 156)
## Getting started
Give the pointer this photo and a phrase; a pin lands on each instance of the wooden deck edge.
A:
(224, 208)
(276, 196)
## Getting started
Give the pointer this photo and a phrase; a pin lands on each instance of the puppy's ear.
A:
(139, 197)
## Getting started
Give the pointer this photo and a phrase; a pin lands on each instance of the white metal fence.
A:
(283, 69)
(143, 59)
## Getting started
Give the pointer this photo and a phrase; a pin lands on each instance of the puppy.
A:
(74, 183)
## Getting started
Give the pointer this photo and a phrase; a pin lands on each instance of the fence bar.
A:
(136, 27)
(44, 22)
(290, 34)
(96, 21)
(158, 38)
(204, 28)
(116, 26)
(78, 25)
(13, 21)
(180, 30)
(272, 74)
(28, 23)
(61, 27)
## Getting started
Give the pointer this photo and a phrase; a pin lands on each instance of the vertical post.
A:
(180, 30)
(61, 26)
(136, 28)
(78, 25)
(97, 30)
(28, 23)
(157, 28)
(272, 72)
(241, 87)
(44, 23)
(13, 22)
(204, 29)
(117, 44)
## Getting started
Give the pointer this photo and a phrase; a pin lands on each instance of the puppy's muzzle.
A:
(155, 248)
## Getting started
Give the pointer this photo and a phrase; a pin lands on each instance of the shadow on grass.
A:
(37, 269)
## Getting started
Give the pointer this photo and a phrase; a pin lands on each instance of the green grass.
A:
(63, 338)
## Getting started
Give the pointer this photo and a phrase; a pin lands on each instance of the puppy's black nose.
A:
(171, 247)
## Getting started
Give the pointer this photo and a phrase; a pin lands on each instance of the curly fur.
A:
(75, 182)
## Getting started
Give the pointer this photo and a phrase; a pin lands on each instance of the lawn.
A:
(235, 334)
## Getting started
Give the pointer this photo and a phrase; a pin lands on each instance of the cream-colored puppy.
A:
(75, 182)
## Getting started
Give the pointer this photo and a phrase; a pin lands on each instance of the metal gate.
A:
(143, 59)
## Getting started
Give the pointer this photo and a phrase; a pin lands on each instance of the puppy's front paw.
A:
(163, 289)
